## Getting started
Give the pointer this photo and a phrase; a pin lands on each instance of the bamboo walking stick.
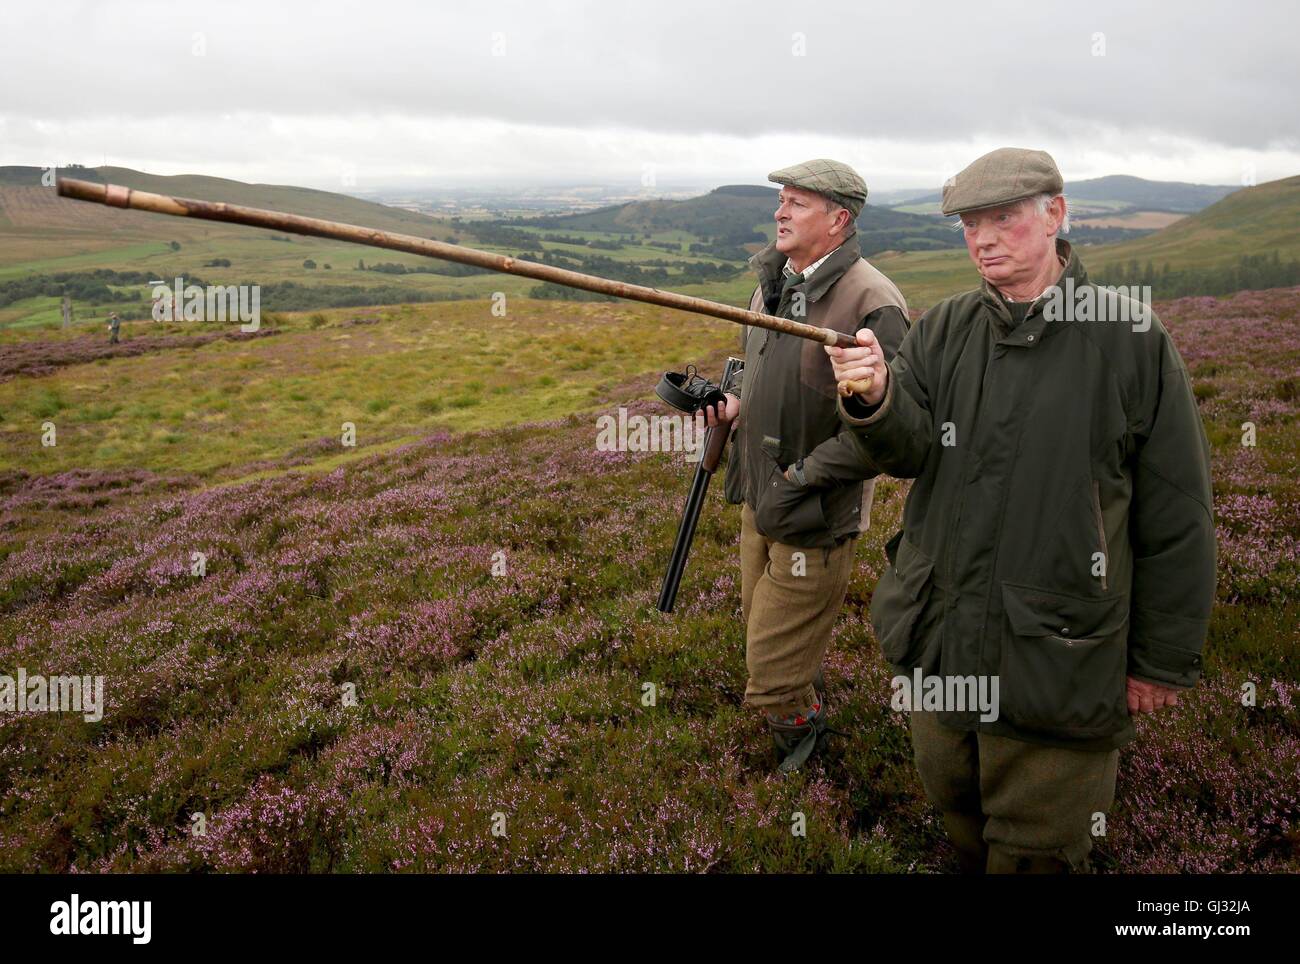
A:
(115, 195)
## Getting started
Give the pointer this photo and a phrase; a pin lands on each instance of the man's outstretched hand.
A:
(867, 361)
(1146, 697)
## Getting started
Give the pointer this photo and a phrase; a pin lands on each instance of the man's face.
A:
(803, 225)
(1010, 243)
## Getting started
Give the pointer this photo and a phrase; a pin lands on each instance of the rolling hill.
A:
(1113, 193)
(36, 224)
(1253, 220)
(742, 214)
(697, 245)
(45, 209)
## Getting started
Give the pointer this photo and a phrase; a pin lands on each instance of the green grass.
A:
(217, 408)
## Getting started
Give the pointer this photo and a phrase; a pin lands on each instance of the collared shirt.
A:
(787, 269)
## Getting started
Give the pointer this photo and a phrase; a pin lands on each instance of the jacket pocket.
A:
(791, 513)
(1063, 662)
(899, 597)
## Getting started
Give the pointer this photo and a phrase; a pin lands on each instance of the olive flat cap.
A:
(833, 179)
(1000, 177)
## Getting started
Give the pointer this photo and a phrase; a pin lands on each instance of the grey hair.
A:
(1040, 202)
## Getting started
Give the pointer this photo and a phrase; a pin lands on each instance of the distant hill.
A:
(1250, 221)
(1149, 195)
(737, 214)
(1114, 193)
(35, 219)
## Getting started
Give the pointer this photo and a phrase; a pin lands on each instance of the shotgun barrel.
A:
(715, 440)
(115, 195)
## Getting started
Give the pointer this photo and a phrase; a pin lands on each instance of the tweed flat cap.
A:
(1000, 177)
(833, 179)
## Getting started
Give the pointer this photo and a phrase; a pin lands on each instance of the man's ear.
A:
(841, 224)
(1058, 213)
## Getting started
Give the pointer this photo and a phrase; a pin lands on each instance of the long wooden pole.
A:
(116, 195)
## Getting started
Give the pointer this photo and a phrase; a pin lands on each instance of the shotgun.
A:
(715, 440)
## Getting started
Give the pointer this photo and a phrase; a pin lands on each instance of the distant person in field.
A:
(793, 465)
(114, 326)
(1058, 537)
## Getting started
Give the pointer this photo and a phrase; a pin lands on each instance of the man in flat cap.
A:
(1058, 537)
(793, 464)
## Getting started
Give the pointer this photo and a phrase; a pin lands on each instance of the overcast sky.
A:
(355, 94)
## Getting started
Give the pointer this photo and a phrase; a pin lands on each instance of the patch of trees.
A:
(1252, 271)
(1085, 234)
(92, 286)
(553, 292)
(603, 245)
(490, 233)
(729, 246)
(653, 274)
(448, 269)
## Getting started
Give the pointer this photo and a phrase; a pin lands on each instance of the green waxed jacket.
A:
(1059, 532)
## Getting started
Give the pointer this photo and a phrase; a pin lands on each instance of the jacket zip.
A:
(1101, 530)
(751, 383)
(949, 565)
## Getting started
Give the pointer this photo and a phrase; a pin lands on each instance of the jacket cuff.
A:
(812, 476)
(1159, 650)
(855, 412)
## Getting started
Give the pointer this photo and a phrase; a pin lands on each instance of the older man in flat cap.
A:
(1058, 537)
(793, 464)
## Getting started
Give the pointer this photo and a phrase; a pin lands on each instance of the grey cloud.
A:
(1217, 73)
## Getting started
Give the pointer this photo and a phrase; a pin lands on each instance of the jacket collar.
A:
(1031, 332)
(768, 263)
